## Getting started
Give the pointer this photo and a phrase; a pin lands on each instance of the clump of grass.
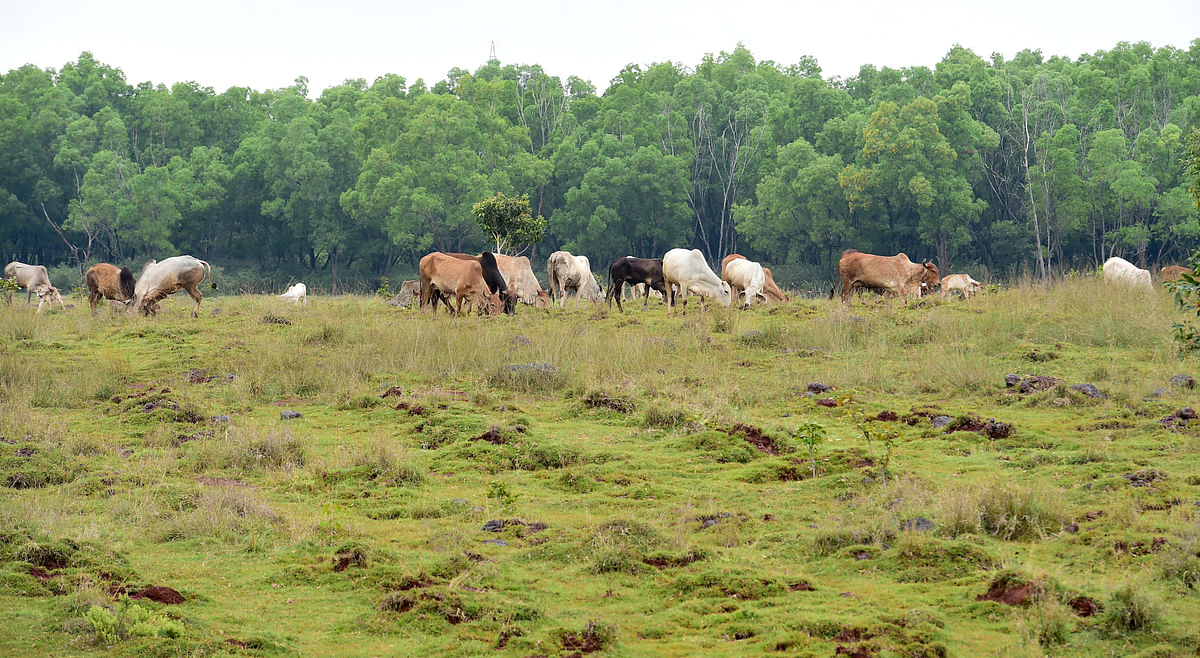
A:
(1180, 562)
(528, 377)
(1004, 511)
(1050, 622)
(595, 636)
(620, 546)
(663, 417)
(1130, 610)
(227, 513)
(249, 451)
(608, 400)
(379, 461)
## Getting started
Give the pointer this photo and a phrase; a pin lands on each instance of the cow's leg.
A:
(458, 311)
(646, 298)
(93, 299)
(194, 291)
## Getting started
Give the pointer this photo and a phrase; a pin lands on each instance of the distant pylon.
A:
(492, 53)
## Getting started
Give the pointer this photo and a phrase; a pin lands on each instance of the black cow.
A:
(495, 281)
(628, 269)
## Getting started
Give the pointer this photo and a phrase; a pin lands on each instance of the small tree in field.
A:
(509, 221)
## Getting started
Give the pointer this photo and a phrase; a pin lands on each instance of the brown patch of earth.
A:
(887, 416)
(827, 402)
(801, 586)
(854, 652)
(40, 574)
(755, 437)
(412, 409)
(237, 643)
(1085, 606)
(493, 436)
(393, 391)
(1009, 593)
(160, 594)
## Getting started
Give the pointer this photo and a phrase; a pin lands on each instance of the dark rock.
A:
(1186, 413)
(288, 414)
(817, 387)
(1159, 392)
(941, 421)
(522, 341)
(1090, 391)
(1037, 383)
(498, 542)
(918, 524)
(1186, 381)
(1012, 380)
(1072, 528)
(26, 452)
(495, 525)
(221, 419)
(862, 555)
(708, 523)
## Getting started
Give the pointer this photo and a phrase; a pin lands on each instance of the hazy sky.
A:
(266, 45)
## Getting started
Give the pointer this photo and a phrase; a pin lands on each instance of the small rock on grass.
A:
(288, 414)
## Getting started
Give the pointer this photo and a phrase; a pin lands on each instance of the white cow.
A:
(569, 272)
(686, 271)
(1120, 272)
(36, 281)
(744, 275)
(960, 282)
(298, 293)
(519, 277)
(162, 279)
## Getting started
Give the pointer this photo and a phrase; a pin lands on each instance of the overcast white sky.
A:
(266, 45)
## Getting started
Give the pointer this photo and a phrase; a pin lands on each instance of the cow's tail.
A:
(212, 282)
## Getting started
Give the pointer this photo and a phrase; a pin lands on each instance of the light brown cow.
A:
(443, 277)
(521, 280)
(161, 279)
(960, 282)
(1173, 272)
(895, 274)
(772, 291)
(36, 281)
(106, 281)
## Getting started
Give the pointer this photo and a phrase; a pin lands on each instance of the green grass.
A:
(652, 497)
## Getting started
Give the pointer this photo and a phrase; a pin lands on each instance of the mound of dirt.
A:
(755, 437)
(1085, 606)
(160, 594)
(493, 436)
(1009, 593)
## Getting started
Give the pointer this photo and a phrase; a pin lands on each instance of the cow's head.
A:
(492, 304)
(929, 278)
(542, 300)
(508, 298)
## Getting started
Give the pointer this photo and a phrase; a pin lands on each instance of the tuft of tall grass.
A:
(247, 450)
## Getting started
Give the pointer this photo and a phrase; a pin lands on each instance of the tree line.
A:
(1028, 165)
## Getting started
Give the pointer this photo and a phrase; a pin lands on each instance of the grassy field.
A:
(584, 481)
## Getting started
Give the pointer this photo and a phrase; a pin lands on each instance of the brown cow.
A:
(36, 281)
(1173, 272)
(106, 281)
(772, 291)
(443, 277)
(895, 274)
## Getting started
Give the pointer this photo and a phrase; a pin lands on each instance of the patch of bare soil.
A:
(394, 391)
(1140, 548)
(827, 402)
(237, 643)
(659, 562)
(1009, 593)
(346, 559)
(197, 376)
(755, 437)
(801, 586)
(887, 416)
(1085, 606)
(40, 574)
(160, 594)
(412, 409)
(493, 436)
(854, 652)
(990, 428)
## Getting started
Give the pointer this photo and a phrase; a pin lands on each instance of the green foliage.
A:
(508, 221)
(1131, 610)
(811, 435)
(498, 491)
(1187, 298)
(126, 619)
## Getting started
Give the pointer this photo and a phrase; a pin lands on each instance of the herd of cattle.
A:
(494, 283)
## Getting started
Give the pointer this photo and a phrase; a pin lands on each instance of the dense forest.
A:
(1024, 166)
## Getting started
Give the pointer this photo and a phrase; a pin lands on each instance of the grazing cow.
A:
(685, 271)
(106, 281)
(893, 274)
(960, 282)
(161, 279)
(771, 291)
(521, 281)
(298, 293)
(743, 276)
(1173, 272)
(645, 272)
(36, 281)
(1120, 272)
(409, 290)
(445, 277)
(493, 277)
(572, 273)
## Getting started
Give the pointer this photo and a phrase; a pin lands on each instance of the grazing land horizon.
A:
(1017, 473)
